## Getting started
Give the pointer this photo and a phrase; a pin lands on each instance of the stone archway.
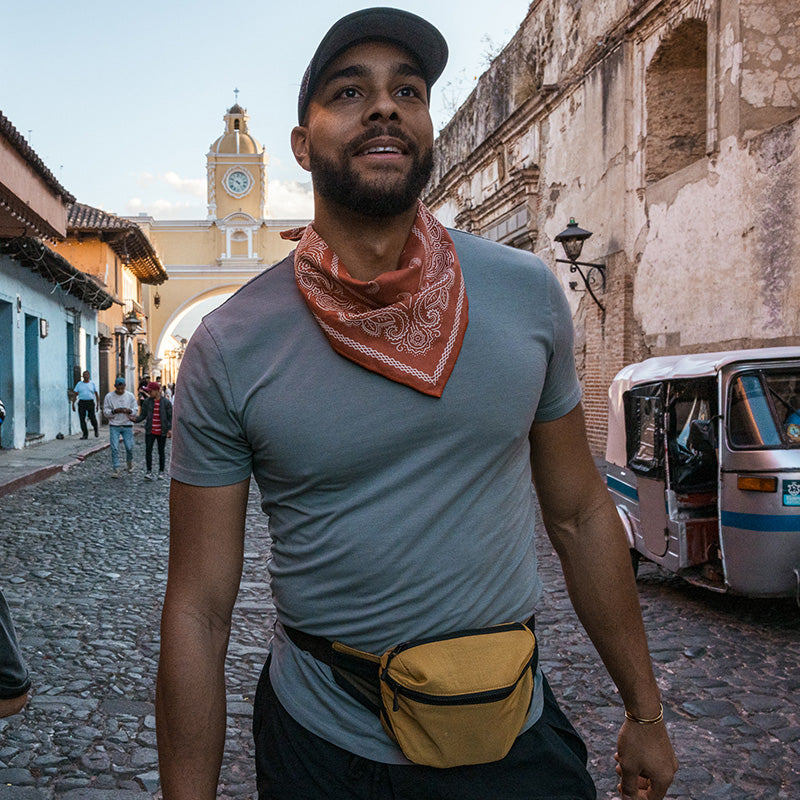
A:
(177, 328)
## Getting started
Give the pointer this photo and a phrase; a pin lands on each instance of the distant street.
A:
(83, 561)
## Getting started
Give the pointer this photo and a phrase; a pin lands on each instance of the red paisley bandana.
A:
(407, 325)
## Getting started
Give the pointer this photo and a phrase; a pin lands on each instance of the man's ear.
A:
(300, 147)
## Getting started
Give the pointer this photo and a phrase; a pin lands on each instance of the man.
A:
(117, 409)
(157, 411)
(143, 395)
(393, 441)
(88, 402)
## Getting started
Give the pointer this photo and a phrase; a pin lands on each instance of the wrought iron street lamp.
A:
(131, 322)
(572, 239)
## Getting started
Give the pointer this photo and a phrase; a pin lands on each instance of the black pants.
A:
(86, 408)
(149, 438)
(547, 762)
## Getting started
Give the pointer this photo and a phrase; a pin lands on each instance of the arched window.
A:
(676, 101)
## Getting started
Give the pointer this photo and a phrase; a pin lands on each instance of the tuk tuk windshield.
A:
(764, 410)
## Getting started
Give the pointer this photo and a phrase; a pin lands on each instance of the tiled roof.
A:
(126, 238)
(90, 218)
(19, 143)
(39, 258)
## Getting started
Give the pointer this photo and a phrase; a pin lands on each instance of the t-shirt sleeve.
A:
(562, 390)
(209, 447)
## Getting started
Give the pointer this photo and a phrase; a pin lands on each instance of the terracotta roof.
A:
(126, 238)
(39, 258)
(19, 143)
(26, 219)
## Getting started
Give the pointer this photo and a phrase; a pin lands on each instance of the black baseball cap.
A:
(407, 30)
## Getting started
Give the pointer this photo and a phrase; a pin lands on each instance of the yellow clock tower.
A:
(237, 184)
(208, 259)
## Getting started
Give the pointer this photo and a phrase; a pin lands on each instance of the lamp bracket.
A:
(594, 270)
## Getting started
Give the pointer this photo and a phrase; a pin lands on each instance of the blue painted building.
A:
(48, 307)
(48, 336)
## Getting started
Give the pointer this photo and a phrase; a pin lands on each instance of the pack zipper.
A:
(471, 698)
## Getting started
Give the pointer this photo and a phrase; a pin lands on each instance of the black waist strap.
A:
(322, 649)
(318, 646)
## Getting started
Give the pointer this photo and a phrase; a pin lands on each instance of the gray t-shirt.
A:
(394, 515)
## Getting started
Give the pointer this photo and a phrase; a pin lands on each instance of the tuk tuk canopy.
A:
(667, 368)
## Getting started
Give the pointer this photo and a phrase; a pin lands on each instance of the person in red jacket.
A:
(156, 410)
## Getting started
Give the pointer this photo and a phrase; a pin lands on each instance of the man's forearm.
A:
(602, 589)
(190, 705)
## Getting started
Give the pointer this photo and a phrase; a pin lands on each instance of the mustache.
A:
(382, 130)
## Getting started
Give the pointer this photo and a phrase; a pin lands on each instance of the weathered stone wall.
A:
(671, 130)
(720, 265)
(770, 71)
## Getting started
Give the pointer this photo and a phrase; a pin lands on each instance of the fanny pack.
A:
(448, 700)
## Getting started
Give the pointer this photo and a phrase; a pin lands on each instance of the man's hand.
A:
(646, 762)
(169, 434)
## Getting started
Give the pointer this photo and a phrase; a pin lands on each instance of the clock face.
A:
(237, 182)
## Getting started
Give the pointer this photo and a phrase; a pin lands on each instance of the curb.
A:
(43, 473)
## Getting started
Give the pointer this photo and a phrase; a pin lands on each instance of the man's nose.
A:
(383, 105)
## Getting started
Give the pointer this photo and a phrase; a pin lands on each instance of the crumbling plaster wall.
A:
(721, 262)
(770, 69)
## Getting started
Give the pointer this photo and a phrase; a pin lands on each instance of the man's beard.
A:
(382, 198)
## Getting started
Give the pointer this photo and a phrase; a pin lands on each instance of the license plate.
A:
(791, 493)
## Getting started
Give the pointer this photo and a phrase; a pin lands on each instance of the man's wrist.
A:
(654, 720)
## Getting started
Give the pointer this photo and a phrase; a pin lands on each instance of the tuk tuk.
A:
(703, 463)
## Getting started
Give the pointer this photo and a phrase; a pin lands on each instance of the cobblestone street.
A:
(84, 569)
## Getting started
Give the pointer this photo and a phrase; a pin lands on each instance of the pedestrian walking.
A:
(14, 679)
(394, 391)
(2, 417)
(142, 392)
(118, 406)
(88, 402)
(156, 410)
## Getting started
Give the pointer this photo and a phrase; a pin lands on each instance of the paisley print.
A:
(407, 325)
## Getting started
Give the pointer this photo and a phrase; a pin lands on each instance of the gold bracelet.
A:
(652, 721)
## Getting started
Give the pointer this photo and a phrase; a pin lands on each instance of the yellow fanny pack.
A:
(448, 700)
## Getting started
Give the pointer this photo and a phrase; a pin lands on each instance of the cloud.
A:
(193, 186)
(290, 200)
(166, 209)
(196, 187)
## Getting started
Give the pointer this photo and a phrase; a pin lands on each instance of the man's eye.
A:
(349, 92)
(408, 91)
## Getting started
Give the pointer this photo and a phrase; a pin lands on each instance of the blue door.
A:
(32, 421)
(6, 373)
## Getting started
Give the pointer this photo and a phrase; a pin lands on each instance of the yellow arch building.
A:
(211, 258)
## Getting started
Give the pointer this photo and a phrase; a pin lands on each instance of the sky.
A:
(122, 100)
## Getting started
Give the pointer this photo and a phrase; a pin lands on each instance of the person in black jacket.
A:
(14, 680)
(156, 410)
